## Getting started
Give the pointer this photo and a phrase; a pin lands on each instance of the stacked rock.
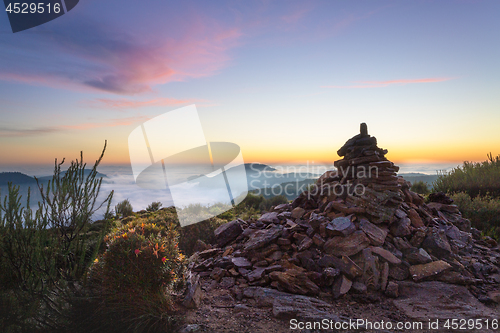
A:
(330, 240)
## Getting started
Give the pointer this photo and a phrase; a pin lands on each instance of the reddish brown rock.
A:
(401, 227)
(194, 294)
(374, 233)
(425, 271)
(217, 273)
(347, 246)
(270, 218)
(344, 265)
(318, 240)
(305, 244)
(241, 262)
(341, 226)
(392, 289)
(298, 212)
(415, 219)
(386, 255)
(263, 237)
(384, 276)
(295, 282)
(228, 232)
(341, 286)
(436, 243)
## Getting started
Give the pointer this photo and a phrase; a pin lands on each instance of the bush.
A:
(266, 204)
(250, 207)
(136, 274)
(472, 178)
(124, 208)
(483, 212)
(45, 254)
(154, 206)
(420, 187)
(251, 201)
(203, 231)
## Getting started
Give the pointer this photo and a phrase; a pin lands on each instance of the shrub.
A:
(44, 254)
(136, 274)
(203, 231)
(266, 204)
(483, 212)
(250, 207)
(124, 208)
(252, 201)
(472, 178)
(420, 187)
(154, 206)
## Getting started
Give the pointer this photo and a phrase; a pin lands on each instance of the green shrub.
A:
(154, 206)
(483, 212)
(251, 201)
(266, 204)
(251, 207)
(124, 208)
(472, 178)
(135, 276)
(44, 254)
(420, 187)
(203, 231)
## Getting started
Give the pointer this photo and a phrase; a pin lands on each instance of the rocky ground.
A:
(358, 245)
(220, 311)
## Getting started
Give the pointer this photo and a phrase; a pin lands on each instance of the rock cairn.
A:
(359, 229)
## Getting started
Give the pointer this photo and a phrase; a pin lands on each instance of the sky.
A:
(287, 81)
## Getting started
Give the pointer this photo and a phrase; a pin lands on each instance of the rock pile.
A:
(357, 230)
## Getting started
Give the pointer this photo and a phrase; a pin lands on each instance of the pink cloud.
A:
(131, 104)
(381, 84)
(109, 123)
(120, 61)
(24, 132)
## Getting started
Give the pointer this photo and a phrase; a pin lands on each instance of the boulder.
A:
(347, 246)
(269, 218)
(341, 226)
(436, 243)
(432, 300)
(228, 232)
(241, 262)
(295, 281)
(386, 255)
(425, 271)
(418, 256)
(193, 295)
(415, 219)
(392, 289)
(298, 212)
(262, 238)
(341, 286)
(374, 233)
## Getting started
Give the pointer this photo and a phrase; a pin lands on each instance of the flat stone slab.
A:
(424, 271)
(437, 300)
(263, 237)
(286, 306)
(347, 246)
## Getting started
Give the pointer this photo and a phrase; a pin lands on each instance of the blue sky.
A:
(288, 81)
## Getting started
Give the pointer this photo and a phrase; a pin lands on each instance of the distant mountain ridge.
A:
(19, 178)
(16, 178)
(258, 167)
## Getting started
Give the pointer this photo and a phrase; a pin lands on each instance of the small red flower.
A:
(163, 259)
(137, 251)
